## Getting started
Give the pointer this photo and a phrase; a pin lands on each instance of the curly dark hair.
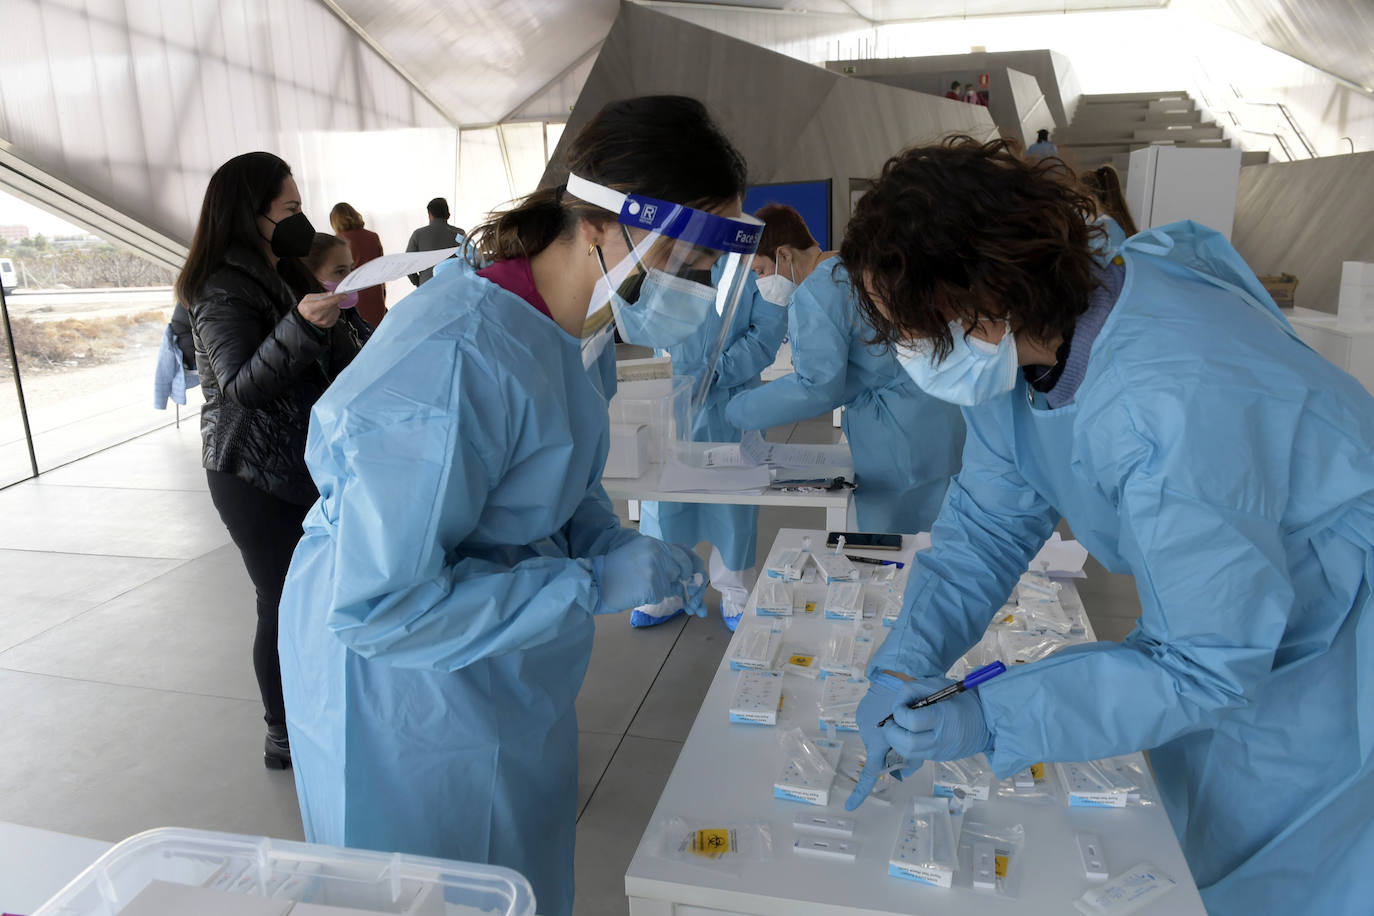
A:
(972, 232)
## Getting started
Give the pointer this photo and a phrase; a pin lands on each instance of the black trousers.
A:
(265, 530)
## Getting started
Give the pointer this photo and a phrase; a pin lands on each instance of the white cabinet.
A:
(1168, 183)
(1350, 345)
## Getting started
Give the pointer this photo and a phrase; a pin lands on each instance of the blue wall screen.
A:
(809, 198)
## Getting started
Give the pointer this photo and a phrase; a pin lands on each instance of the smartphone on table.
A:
(864, 540)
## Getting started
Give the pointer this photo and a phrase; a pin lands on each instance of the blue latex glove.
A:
(885, 692)
(951, 729)
(645, 571)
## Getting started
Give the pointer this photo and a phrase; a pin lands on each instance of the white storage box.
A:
(629, 452)
(661, 405)
(179, 871)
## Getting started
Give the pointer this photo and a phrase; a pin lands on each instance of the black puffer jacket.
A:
(261, 369)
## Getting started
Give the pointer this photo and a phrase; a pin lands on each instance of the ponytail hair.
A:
(1105, 185)
(662, 146)
(530, 226)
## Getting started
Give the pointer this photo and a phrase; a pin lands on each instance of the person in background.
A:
(439, 615)
(267, 347)
(971, 94)
(905, 443)
(750, 347)
(434, 236)
(328, 263)
(363, 245)
(1112, 212)
(953, 92)
(1163, 407)
(1042, 146)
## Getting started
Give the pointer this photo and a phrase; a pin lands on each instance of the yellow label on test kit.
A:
(712, 843)
(810, 607)
(1001, 860)
(1038, 770)
(801, 661)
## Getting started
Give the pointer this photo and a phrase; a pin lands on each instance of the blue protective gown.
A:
(437, 620)
(1231, 469)
(905, 443)
(756, 332)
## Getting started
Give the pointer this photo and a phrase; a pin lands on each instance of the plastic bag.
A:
(844, 600)
(839, 705)
(723, 843)
(788, 564)
(755, 645)
(969, 779)
(925, 847)
(990, 858)
(775, 598)
(808, 769)
(851, 768)
(1034, 785)
(1037, 601)
(1113, 782)
(795, 660)
(848, 648)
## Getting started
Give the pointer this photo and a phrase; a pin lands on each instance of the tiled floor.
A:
(129, 702)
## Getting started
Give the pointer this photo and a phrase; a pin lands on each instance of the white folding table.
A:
(726, 772)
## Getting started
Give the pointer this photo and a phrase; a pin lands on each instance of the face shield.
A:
(681, 274)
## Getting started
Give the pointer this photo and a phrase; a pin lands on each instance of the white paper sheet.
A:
(754, 451)
(682, 478)
(1061, 558)
(392, 267)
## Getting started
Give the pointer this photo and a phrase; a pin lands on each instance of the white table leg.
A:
(837, 417)
(634, 510)
(645, 906)
(835, 518)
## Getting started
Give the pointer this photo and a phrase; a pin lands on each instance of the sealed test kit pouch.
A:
(969, 779)
(775, 598)
(758, 698)
(1113, 782)
(1035, 785)
(925, 849)
(990, 857)
(839, 705)
(1131, 891)
(808, 767)
(755, 645)
(848, 647)
(844, 600)
(727, 844)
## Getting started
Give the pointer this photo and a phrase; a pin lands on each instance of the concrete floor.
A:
(126, 622)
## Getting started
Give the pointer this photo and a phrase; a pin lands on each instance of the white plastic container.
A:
(663, 405)
(328, 879)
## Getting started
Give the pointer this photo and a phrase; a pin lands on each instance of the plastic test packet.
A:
(757, 698)
(990, 857)
(809, 766)
(925, 848)
(1113, 782)
(755, 646)
(844, 600)
(1137, 888)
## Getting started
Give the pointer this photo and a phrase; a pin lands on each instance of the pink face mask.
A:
(349, 299)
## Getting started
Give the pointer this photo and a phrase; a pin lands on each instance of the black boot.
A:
(276, 752)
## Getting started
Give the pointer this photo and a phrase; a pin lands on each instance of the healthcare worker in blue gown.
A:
(750, 347)
(906, 444)
(438, 617)
(1166, 410)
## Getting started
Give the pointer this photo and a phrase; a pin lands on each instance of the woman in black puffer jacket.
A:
(266, 348)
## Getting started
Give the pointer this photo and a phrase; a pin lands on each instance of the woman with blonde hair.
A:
(364, 245)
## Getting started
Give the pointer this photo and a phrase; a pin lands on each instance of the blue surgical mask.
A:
(667, 310)
(974, 371)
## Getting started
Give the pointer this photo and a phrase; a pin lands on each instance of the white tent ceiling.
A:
(488, 61)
